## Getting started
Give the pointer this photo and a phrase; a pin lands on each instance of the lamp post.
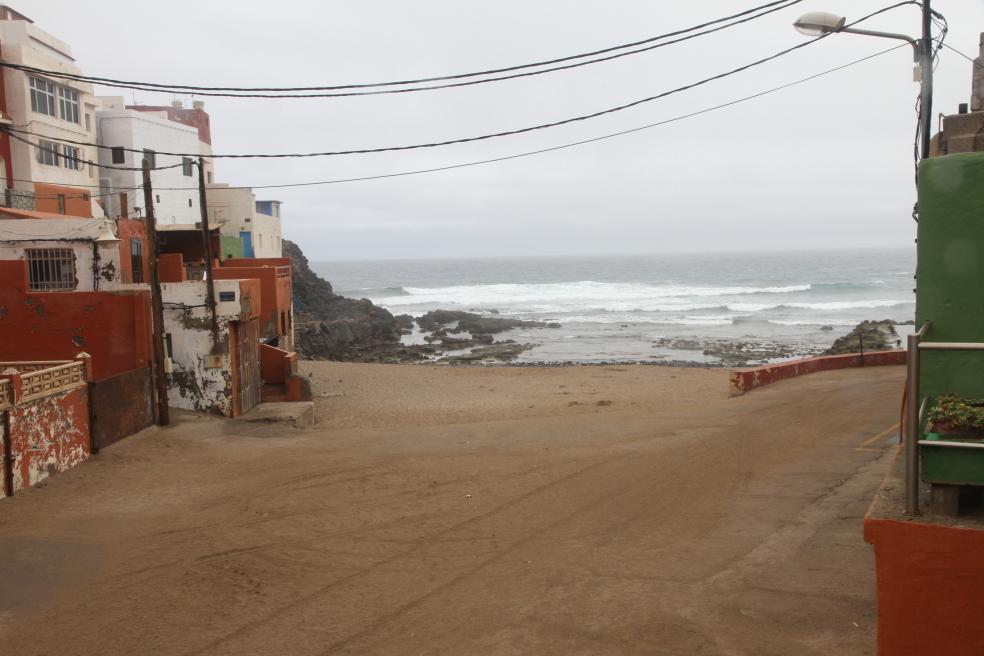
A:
(818, 23)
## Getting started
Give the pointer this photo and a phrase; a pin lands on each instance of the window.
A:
(189, 202)
(136, 260)
(42, 96)
(210, 177)
(157, 198)
(151, 158)
(119, 155)
(47, 153)
(88, 122)
(68, 104)
(50, 269)
(186, 166)
(61, 203)
(72, 158)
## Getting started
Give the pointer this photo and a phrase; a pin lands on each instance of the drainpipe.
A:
(8, 458)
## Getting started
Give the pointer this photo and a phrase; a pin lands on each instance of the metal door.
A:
(247, 344)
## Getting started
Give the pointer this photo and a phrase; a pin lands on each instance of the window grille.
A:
(47, 153)
(42, 96)
(186, 166)
(68, 104)
(50, 269)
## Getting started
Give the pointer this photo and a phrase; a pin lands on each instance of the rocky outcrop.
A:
(874, 335)
(332, 327)
(475, 324)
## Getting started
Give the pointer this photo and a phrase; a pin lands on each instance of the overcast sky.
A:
(824, 164)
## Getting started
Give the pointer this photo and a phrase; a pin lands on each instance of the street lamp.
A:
(820, 23)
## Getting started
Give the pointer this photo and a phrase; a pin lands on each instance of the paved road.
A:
(713, 526)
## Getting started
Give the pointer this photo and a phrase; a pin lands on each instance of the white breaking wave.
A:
(581, 293)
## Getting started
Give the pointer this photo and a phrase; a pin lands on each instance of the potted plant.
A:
(953, 417)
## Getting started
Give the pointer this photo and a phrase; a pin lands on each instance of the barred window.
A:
(186, 166)
(72, 157)
(47, 153)
(42, 96)
(50, 269)
(68, 104)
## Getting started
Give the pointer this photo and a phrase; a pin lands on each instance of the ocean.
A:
(651, 307)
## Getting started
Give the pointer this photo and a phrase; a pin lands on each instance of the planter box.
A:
(952, 460)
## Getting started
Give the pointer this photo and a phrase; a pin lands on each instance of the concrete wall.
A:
(977, 83)
(46, 436)
(97, 254)
(201, 377)
(112, 327)
(25, 43)
(930, 587)
(152, 130)
(744, 380)
(951, 267)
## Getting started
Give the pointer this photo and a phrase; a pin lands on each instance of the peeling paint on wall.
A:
(48, 436)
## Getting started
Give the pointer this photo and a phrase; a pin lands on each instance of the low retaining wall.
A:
(743, 380)
(930, 587)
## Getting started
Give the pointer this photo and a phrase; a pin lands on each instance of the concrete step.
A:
(295, 414)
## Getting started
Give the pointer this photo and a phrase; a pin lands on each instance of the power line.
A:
(294, 92)
(483, 137)
(10, 133)
(674, 119)
(967, 57)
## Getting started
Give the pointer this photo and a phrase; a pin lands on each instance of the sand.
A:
(435, 510)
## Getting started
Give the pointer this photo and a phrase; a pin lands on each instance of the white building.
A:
(62, 254)
(128, 136)
(54, 111)
(238, 214)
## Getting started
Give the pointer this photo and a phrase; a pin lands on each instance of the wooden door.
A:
(248, 383)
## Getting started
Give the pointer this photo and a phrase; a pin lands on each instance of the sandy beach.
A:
(470, 510)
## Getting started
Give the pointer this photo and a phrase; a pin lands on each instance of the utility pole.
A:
(207, 237)
(926, 83)
(157, 310)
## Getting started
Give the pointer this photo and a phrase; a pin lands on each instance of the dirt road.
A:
(616, 510)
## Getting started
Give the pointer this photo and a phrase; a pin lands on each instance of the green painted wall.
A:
(231, 246)
(951, 270)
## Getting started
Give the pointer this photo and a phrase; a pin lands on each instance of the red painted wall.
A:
(48, 435)
(112, 327)
(130, 229)
(170, 267)
(743, 380)
(930, 588)
(274, 295)
(78, 202)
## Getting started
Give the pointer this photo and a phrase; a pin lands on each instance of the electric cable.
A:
(505, 133)
(295, 92)
(542, 150)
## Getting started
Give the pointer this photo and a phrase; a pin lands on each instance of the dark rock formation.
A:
(874, 335)
(474, 323)
(332, 327)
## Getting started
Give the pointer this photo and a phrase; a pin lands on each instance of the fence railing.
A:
(916, 409)
(27, 381)
(6, 394)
